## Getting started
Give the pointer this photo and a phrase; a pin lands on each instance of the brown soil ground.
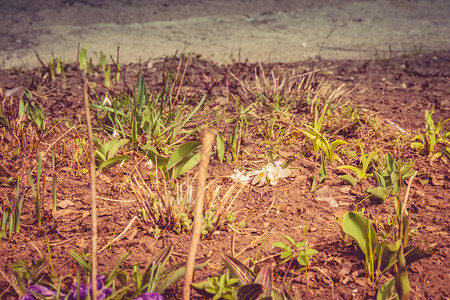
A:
(386, 92)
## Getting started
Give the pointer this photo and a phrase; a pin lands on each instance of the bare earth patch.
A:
(391, 98)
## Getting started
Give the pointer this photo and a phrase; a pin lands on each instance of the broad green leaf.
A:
(264, 278)
(21, 107)
(290, 240)
(348, 179)
(182, 151)
(113, 161)
(249, 292)
(220, 147)
(99, 155)
(378, 194)
(280, 245)
(239, 270)
(417, 145)
(358, 172)
(366, 161)
(115, 146)
(401, 277)
(100, 148)
(186, 165)
(176, 272)
(388, 254)
(333, 146)
(379, 179)
(304, 256)
(359, 228)
(387, 290)
(395, 179)
(413, 254)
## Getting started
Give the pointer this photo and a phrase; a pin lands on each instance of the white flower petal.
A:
(107, 102)
(270, 167)
(278, 163)
(285, 173)
(239, 177)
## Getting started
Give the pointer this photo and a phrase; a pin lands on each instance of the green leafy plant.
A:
(220, 147)
(220, 287)
(321, 143)
(390, 179)
(105, 69)
(433, 134)
(322, 176)
(25, 274)
(160, 118)
(299, 251)
(172, 210)
(157, 277)
(12, 212)
(250, 284)
(105, 154)
(365, 161)
(234, 142)
(33, 111)
(184, 158)
(379, 256)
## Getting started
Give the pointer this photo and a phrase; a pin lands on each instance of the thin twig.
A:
(121, 234)
(207, 141)
(252, 244)
(94, 236)
(407, 193)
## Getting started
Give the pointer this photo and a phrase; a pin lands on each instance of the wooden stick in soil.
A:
(207, 141)
(93, 192)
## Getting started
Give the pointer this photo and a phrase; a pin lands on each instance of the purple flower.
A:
(84, 290)
(38, 289)
(150, 296)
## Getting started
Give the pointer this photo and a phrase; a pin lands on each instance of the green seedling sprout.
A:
(184, 158)
(321, 143)
(300, 252)
(13, 211)
(234, 142)
(379, 256)
(106, 153)
(220, 287)
(49, 252)
(83, 59)
(360, 173)
(432, 135)
(59, 69)
(33, 111)
(390, 179)
(157, 277)
(322, 175)
(51, 69)
(220, 147)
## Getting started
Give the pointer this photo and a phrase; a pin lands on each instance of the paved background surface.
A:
(222, 31)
